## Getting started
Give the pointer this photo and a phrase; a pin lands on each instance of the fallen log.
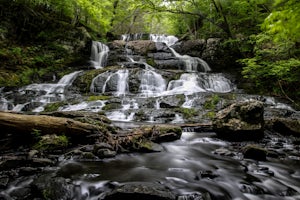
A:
(21, 128)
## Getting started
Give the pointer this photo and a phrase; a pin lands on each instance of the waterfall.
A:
(122, 85)
(99, 54)
(187, 84)
(131, 37)
(168, 40)
(152, 84)
(217, 83)
(192, 64)
(111, 82)
(188, 103)
(47, 93)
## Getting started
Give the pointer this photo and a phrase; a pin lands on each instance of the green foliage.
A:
(283, 22)
(212, 102)
(187, 112)
(36, 134)
(210, 114)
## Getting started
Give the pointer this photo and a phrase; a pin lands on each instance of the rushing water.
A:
(99, 54)
(193, 165)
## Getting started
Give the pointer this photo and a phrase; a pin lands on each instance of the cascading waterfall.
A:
(47, 93)
(99, 54)
(122, 85)
(152, 84)
(169, 40)
(187, 84)
(117, 81)
(216, 83)
(192, 64)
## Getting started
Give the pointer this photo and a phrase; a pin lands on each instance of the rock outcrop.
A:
(240, 121)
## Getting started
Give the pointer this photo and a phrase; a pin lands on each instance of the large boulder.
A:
(285, 126)
(240, 121)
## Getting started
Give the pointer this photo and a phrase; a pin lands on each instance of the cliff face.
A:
(37, 44)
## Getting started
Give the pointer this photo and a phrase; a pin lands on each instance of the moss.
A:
(210, 114)
(211, 103)
(169, 129)
(151, 62)
(187, 112)
(181, 98)
(51, 142)
(51, 107)
(111, 106)
(98, 98)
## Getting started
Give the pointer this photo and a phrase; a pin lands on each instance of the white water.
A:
(187, 84)
(192, 64)
(169, 40)
(122, 85)
(99, 54)
(47, 93)
(152, 84)
(93, 106)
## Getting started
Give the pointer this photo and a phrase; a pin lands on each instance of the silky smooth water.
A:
(191, 165)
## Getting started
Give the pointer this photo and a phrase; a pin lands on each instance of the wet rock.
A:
(148, 146)
(166, 133)
(142, 47)
(141, 190)
(286, 126)
(191, 47)
(206, 174)
(170, 64)
(87, 156)
(4, 181)
(70, 169)
(53, 187)
(21, 193)
(194, 196)
(240, 121)
(105, 153)
(255, 152)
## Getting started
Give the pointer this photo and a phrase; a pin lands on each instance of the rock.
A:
(255, 152)
(141, 190)
(53, 187)
(240, 121)
(206, 174)
(142, 47)
(286, 126)
(191, 47)
(148, 146)
(4, 182)
(105, 153)
(166, 133)
(69, 170)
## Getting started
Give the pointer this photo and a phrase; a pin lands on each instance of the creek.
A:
(199, 165)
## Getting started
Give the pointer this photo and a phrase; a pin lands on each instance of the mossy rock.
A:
(52, 107)
(84, 81)
(111, 106)
(98, 98)
(51, 142)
